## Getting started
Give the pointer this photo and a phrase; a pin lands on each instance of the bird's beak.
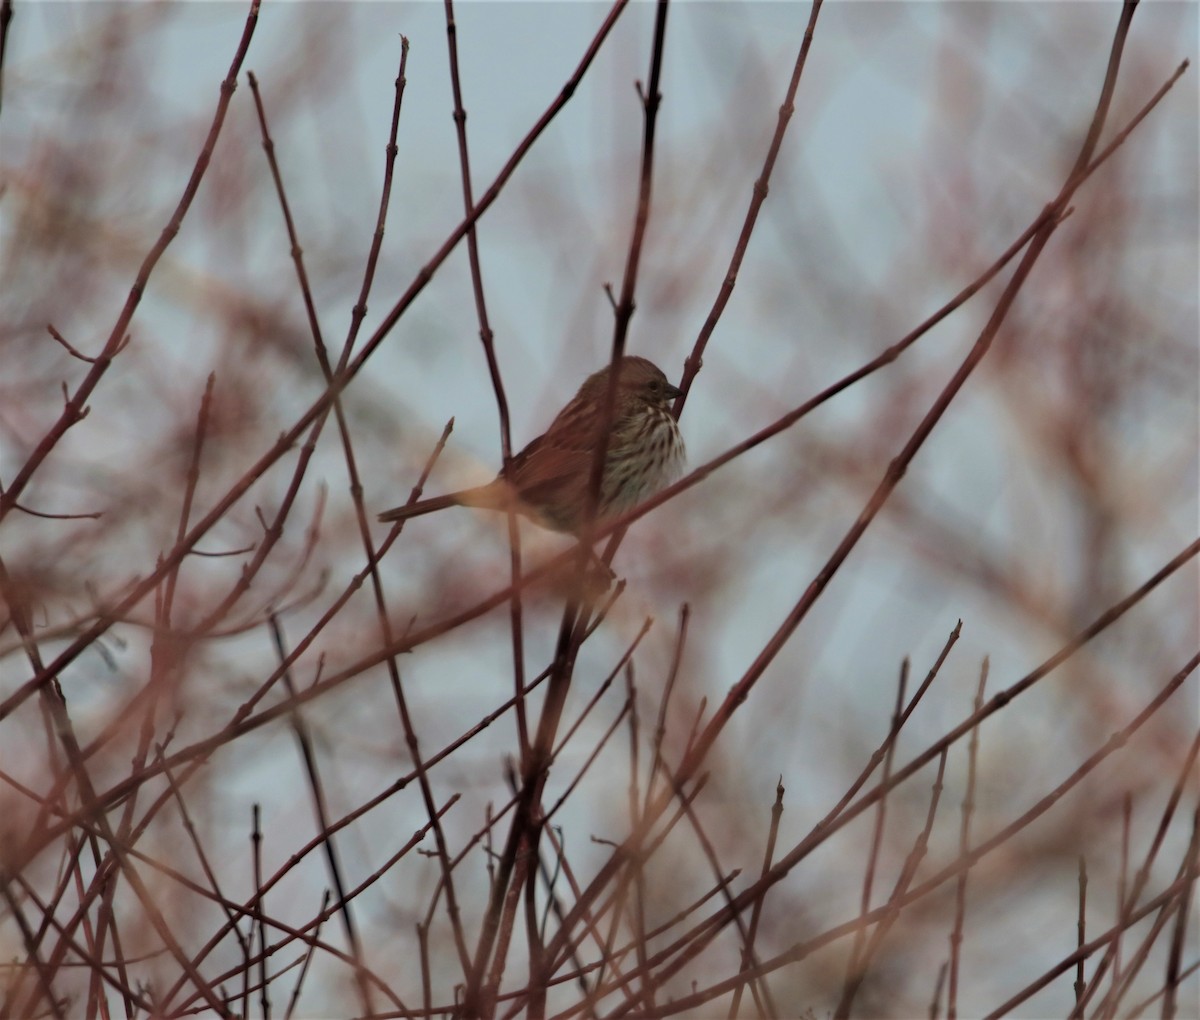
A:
(673, 391)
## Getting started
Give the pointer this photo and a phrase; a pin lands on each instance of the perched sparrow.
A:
(549, 481)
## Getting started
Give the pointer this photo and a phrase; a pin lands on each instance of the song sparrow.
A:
(549, 480)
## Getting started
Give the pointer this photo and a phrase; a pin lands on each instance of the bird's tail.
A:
(422, 506)
(495, 495)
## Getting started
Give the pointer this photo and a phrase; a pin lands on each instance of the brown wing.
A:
(551, 480)
(551, 475)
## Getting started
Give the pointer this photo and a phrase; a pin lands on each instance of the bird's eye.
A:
(655, 386)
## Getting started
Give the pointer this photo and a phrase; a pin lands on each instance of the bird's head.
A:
(638, 381)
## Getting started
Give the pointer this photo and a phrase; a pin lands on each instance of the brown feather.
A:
(549, 480)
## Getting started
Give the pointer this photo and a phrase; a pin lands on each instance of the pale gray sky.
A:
(926, 137)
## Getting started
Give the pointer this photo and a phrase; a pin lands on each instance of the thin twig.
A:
(1081, 926)
(757, 196)
(1142, 878)
(894, 904)
(964, 844)
(487, 339)
(317, 789)
(853, 967)
(76, 405)
(288, 439)
(756, 913)
(700, 936)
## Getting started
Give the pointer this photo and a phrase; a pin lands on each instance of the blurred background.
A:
(925, 139)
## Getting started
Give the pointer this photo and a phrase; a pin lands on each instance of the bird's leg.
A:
(598, 576)
(585, 577)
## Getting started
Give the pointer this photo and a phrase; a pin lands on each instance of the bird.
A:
(549, 481)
